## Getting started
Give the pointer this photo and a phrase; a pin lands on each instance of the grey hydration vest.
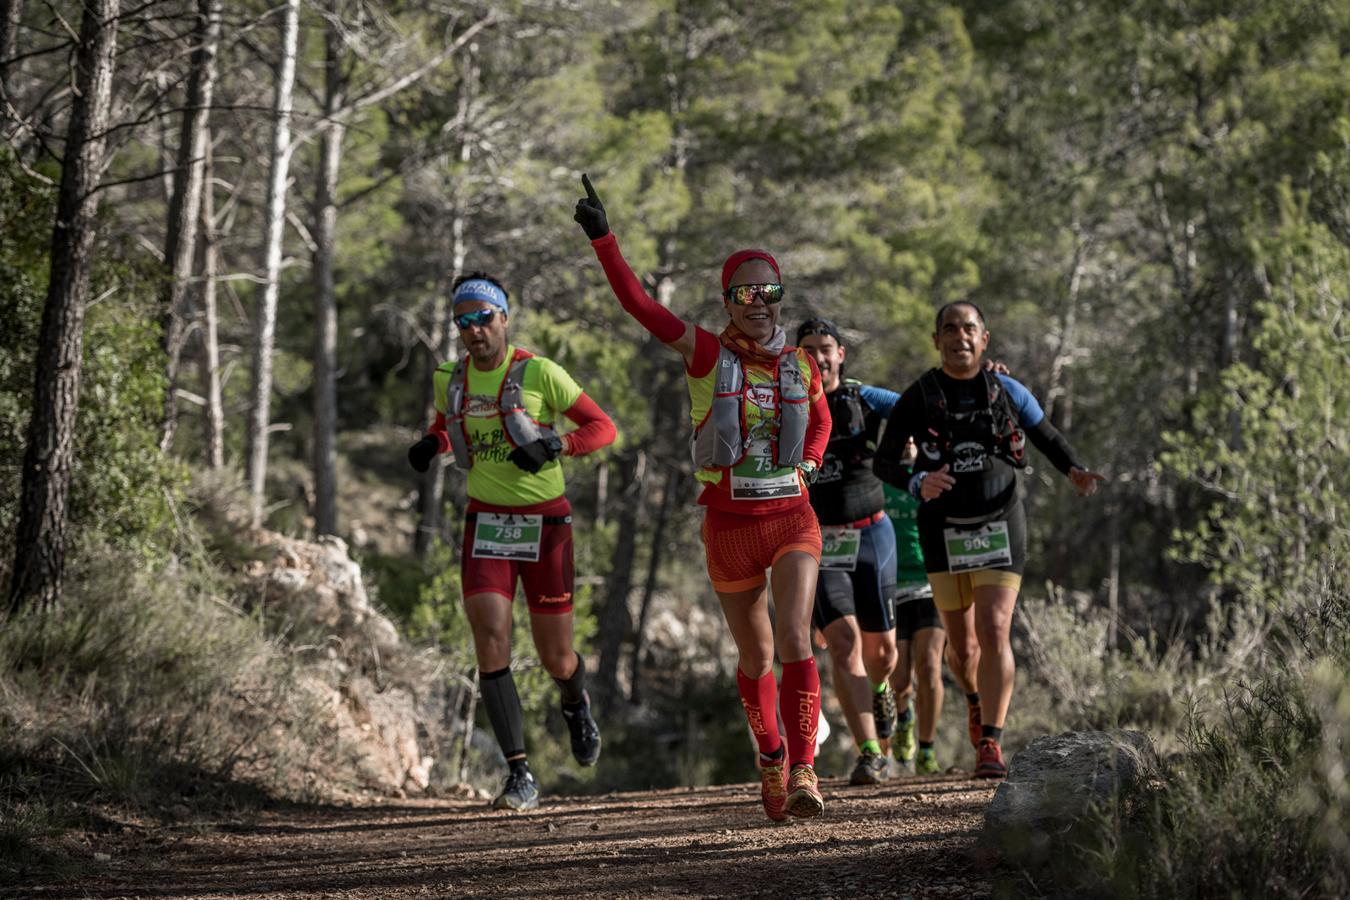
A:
(720, 440)
(520, 428)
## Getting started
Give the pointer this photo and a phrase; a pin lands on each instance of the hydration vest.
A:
(854, 422)
(719, 441)
(995, 426)
(519, 426)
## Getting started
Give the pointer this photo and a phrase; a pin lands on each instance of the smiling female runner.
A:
(761, 424)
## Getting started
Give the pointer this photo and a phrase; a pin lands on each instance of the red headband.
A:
(734, 262)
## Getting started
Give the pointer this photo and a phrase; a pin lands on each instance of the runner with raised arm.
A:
(853, 607)
(496, 411)
(971, 427)
(761, 423)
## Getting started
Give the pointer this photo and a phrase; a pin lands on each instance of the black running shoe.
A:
(883, 712)
(585, 733)
(521, 791)
(871, 768)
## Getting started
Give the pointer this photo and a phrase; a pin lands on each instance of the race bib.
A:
(986, 547)
(757, 477)
(839, 547)
(508, 536)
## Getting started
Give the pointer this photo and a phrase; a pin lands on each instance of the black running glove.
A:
(423, 452)
(532, 456)
(590, 213)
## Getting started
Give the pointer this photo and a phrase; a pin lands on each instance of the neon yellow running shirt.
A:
(547, 390)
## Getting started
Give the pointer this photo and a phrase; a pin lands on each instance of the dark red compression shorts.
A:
(740, 548)
(548, 582)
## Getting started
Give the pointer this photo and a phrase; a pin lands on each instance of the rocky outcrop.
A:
(1057, 780)
(356, 657)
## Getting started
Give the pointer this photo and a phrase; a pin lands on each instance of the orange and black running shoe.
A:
(773, 788)
(989, 760)
(804, 800)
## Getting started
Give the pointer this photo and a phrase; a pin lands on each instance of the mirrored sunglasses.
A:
(745, 294)
(479, 317)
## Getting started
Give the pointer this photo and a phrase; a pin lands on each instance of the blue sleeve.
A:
(1029, 412)
(880, 399)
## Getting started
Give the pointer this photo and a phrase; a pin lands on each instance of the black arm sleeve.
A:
(906, 420)
(1049, 441)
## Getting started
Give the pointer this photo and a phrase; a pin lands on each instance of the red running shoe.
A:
(773, 788)
(989, 760)
(973, 724)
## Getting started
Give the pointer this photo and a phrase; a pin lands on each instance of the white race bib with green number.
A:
(839, 547)
(507, 536)
(986, 547)
(757, 477)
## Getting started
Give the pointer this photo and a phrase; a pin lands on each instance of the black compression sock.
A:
(991, 731)
(925, 745)
(503, 709)
(770, 759)
(573, 689)
(904, 715)
(518, 764)
(973, 699)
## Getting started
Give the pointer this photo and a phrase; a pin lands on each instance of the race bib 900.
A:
(986, 547)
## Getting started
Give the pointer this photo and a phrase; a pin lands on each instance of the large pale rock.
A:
(1055, 781)
(374, 723)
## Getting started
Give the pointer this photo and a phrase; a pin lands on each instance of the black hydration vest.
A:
(981, 442)
(845, 489)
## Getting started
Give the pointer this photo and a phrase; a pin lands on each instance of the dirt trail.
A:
(911, 837)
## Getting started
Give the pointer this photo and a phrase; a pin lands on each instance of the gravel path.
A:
(910, 837)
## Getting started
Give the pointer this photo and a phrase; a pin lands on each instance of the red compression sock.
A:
(759, 696)
(801, 709)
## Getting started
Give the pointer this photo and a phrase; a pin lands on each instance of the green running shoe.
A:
(926, 763)
(903, 743)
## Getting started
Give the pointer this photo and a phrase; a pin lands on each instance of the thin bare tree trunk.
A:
(11, 17)
(39, 559)
(325, 291)
(673, 476)
(209, 331)
(180, 243)
(264, 335)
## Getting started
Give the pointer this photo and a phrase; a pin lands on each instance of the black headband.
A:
(818, 326)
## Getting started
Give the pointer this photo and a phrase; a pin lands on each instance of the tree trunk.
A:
(431, 499)
(325, 293)
(673, 477)
(11, 17)
(209, 331)
(265, 325)
(180, 243)
(615, 619)
(39, 559)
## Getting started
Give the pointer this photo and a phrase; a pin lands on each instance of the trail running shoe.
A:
(903, 744)
(973, 724)
(521, 791)
(804, 800)
(773, 788)
(585, 733)
(871, 768)
(883, 712)
(989, 760)
(926, 763)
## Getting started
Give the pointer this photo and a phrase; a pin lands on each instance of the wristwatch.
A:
(808, 470)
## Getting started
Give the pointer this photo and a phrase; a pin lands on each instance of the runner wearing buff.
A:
(971, 427)
(495, 413)
(761, 423)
